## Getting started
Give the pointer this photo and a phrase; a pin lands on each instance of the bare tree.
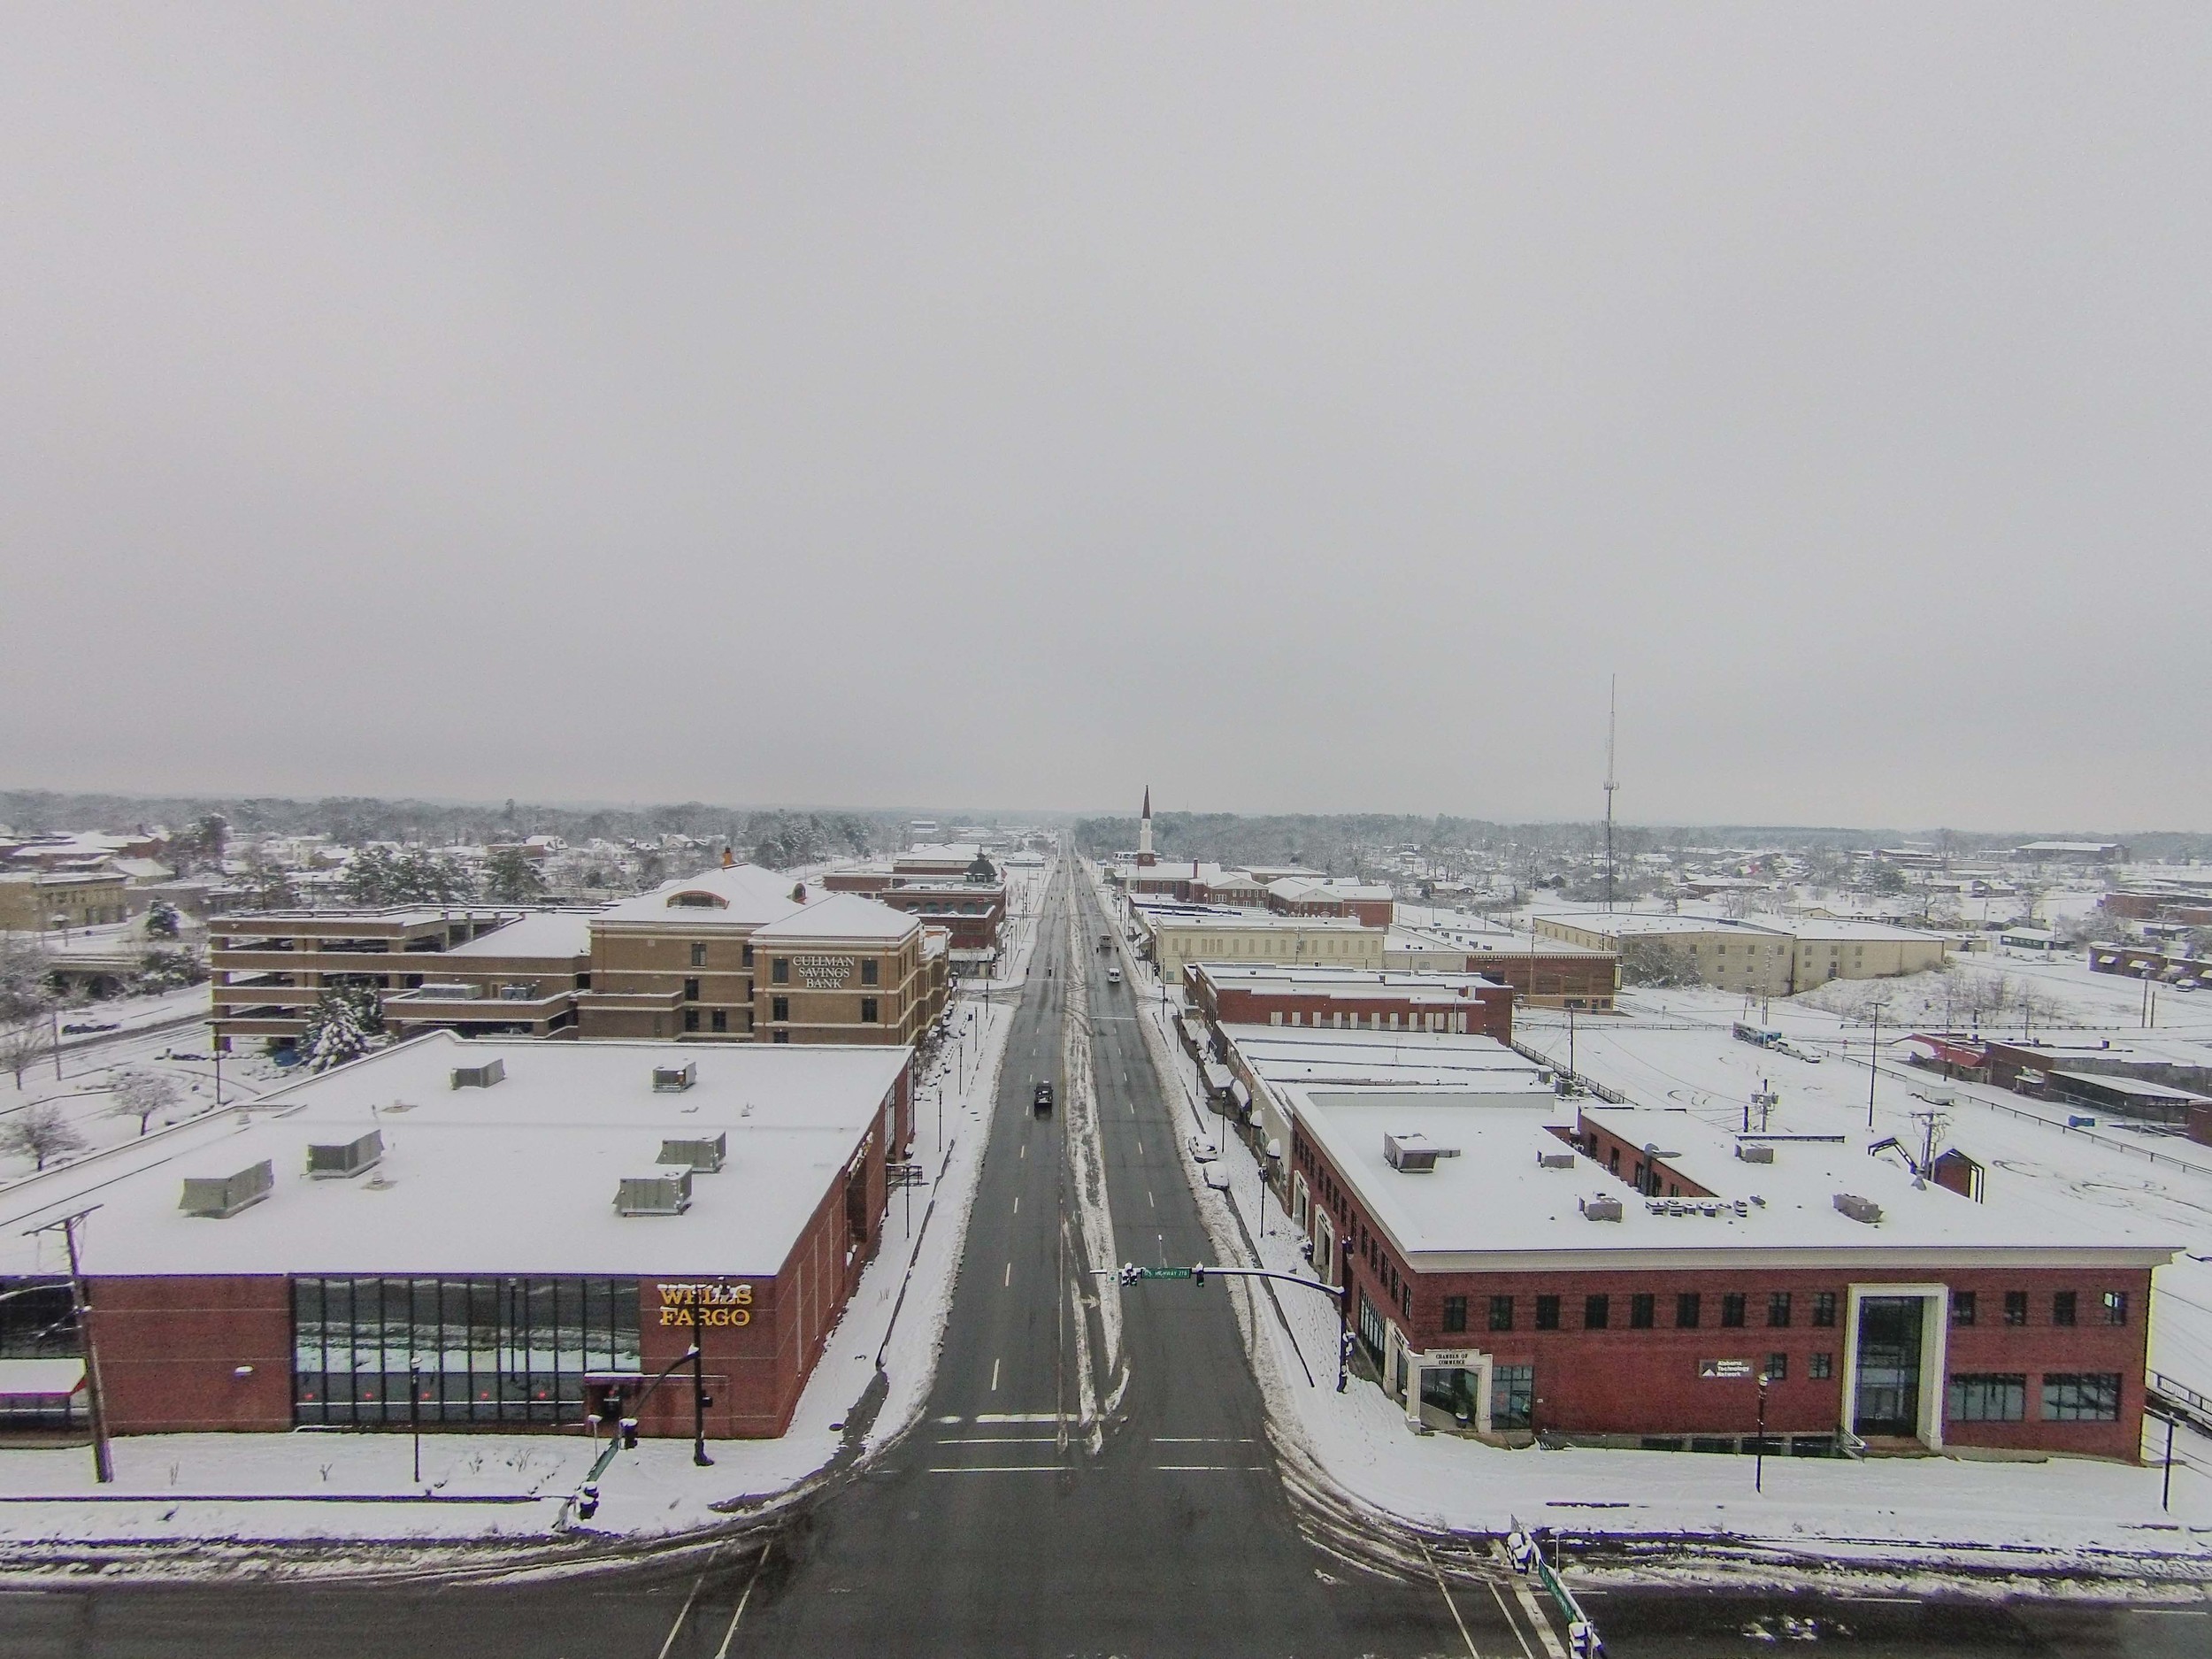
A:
(140, 1095)
(40, 1132)
(23, 1043)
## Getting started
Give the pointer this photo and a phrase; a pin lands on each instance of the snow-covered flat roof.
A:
(1415, 1059)
(517, 1177)
(1495, 1207)
(562, 933)
(1330, 980)
(1635, 924)
(838, 915)
(1232, 917)
(737, 895)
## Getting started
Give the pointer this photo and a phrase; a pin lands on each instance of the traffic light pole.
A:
(1130, 1273)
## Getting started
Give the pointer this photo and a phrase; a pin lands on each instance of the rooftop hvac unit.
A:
(1555, 1160)
(1604, 1207)
(700, 1157)
(1414, 1154)
(1754, 1155)
(665, 1193)
(516, 993)
(218, 1196)
(675, 1079)
(1859, 1209)
(479, 1076)
(340, 1162)
(450, 990)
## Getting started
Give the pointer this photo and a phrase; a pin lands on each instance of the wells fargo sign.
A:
(706, 1304)
(824, 973)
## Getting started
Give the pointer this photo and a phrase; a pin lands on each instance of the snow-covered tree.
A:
(41, 1133)
(168, 970)
(161, 920)
(344, 1021)
(511, 877)
(23, 1041)
(140, 1093)
(24, 991)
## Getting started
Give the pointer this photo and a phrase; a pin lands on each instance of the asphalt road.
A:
(1000, 1527)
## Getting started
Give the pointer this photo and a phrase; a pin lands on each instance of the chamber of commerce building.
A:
(512, 1228)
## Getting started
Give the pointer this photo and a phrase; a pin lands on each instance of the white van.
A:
(1113, 976)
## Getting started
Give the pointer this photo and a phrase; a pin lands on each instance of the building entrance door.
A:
(1887, 1399)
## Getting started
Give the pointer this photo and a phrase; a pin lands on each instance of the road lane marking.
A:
(1149, 1199)
(1202, 1440)
(1016, 1417)
(723, 1652)
(1443, 1590)
(1025, 1149)
(996, 1440)
(998, 1468)
(1140, 1149)
(1008, 1282)
(684, 1612)
(1506, 1612)
(993, 1376)
(1017, 1203)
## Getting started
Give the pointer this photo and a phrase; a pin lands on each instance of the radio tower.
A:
(1612, 690)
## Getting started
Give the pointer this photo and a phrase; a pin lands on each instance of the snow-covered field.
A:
(1674, 1047)
(359, 1486)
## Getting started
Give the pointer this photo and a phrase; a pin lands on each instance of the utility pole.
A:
(1611, 782)
(1873, 1065)
(95, 1409)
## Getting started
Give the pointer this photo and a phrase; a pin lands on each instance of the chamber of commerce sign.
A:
(706, 1304)
(824, 973)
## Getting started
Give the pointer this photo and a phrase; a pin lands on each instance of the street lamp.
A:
(414, 1412)
(1759, 1445)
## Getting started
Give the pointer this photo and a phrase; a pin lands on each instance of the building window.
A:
(1961, 1307)
(871, 972)
(2088, 1396)
(779, 970)
(691, 990)
(1455, 1313)
(1500, 1313)
(1512, 1395)
(1825, 1308)
(745, 954)
(492, 1350)
(1988, 1397)
(1731, 1308)
(1597, 1312)
(779, 1007)
(721, 1020)
(781, 1036)
(698, 954)
(1778, 1310)
(2015, 1307)
(1820, 1367)
(868, 1010)
(1687, 1309)
(2113, 1307)
(1777, 1368)
(691, 1019)
(1641, 1311)
(1547, 1313)
(2062, 1307)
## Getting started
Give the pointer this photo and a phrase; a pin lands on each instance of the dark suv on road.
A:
(1043, 1101)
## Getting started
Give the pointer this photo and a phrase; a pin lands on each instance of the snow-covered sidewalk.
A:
(359, 1487)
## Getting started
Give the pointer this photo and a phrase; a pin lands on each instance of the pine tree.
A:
(161, 919)
(509, 877)
(341, 1026)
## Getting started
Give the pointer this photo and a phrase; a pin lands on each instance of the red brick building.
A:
(1258, 994)
(533, 1224)
(1625, 1280)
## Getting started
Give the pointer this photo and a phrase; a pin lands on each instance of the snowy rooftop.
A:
(1635, 924)
(516, 1178)
(563, 934)
(1345, 982)
(737, 895)
(838, 915)
(1495, 1205)
(1235, 916)
(1415, 1059)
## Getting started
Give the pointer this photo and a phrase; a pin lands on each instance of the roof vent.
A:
(1414, 1154)
(1555, 1160)
(702, 1156)
(1604, 1207)
(449, 990)
(663, 1192)
(1754, 1155)
(218, 1196)
(1859, 1209)
(340, 1162)
(479, 1076)
(675, 1079)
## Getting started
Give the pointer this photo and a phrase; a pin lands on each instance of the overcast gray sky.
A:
(1298, 409)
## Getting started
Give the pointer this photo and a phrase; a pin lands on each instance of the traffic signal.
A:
(588, 1501)
(629, 1434)
(1198, 1273)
